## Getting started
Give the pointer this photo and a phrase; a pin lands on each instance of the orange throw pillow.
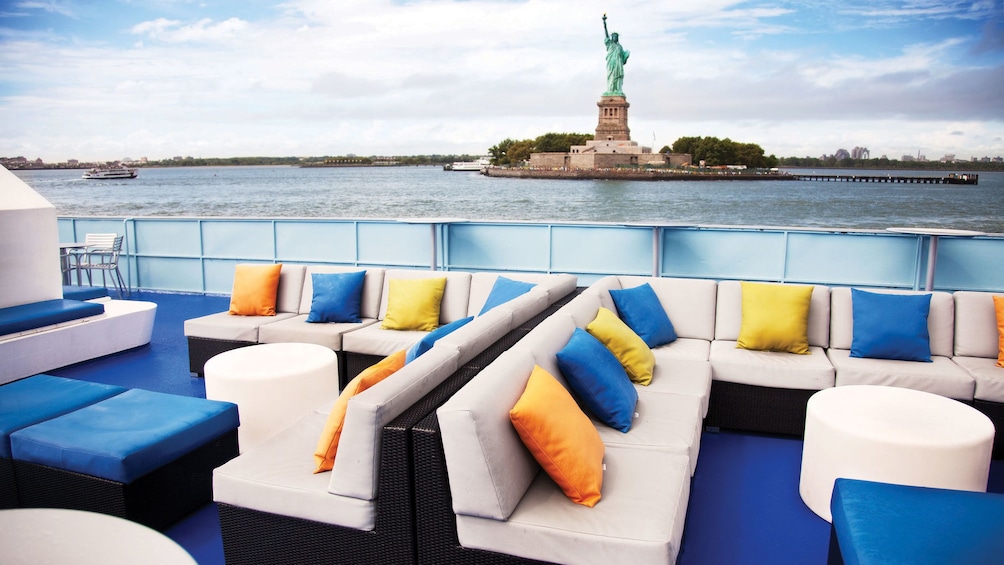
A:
(327, 445)
(255, 288)
(560, 437)
(999, 309)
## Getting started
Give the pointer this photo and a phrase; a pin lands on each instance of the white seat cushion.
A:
(277, 476)
(682, 376)
(663, 421)
(771, 368)
(296, 329)
(989, 377)
(639, 520)
(223, 326)
(940, 376)
(684, 348)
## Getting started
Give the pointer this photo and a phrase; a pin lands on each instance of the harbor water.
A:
(430, 192)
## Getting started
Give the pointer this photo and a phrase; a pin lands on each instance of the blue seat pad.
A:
(888, 524)
(74, 292)
(29, 401)
(126, 436)
(15, 319)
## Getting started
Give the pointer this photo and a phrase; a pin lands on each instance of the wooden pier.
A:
(953, 178)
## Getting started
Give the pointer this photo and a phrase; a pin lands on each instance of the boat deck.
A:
(744, 504)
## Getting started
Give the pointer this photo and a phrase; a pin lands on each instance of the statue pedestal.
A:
(613, 124)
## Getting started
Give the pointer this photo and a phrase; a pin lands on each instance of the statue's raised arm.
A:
(617, 56)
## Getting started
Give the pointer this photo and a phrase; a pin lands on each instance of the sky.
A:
(114, 79)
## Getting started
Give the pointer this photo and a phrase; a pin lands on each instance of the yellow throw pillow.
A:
(255, 288)
(413, 304)
(630, 349)
(775, 317)
(560, 437)
(327, 445)
(999, 309)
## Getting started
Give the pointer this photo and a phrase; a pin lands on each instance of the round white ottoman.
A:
(891, 435)
(273, 385)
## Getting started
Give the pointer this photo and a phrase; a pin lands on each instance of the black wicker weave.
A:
(356, 363)
(760, 409)
(201, 349)
(8, 485)
(157, 499)
(994, 411)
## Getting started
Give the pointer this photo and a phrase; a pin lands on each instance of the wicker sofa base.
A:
(994, 411)
(356, 363)
(157, 499)
(8, 485)
(201, 349)
(760, 409)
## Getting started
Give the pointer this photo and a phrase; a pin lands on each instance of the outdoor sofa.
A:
(273, 508)
(481, 497)
(363, 343)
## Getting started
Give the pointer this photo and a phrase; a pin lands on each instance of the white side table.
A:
(273, 385)
(891, 435)
(53, 535)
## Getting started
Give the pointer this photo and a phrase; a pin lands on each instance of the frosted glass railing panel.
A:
(843, 259)
(238, 239)
(168, 273)
(395, 244)
(77, 229)
(723, 254)
(601, 250)
(307, 241)
(179, 238)
(970, 264)
(517, 247)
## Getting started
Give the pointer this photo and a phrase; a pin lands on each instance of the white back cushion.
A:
(372, 287)
(456, 297)
(729, 313)
(689, 303)
(940, 320)
(287, 296)
(489, 468)
(358, 458)
(976, 325)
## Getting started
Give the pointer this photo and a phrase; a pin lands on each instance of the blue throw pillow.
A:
(503, 291)
(337, 297)
(598, 379)
(890, 326)
(641, 310)
(430, 338)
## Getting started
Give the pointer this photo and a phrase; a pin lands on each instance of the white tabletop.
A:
(937, 232)
(61, 537)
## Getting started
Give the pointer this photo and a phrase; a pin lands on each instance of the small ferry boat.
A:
(111, 172)
(476, 165)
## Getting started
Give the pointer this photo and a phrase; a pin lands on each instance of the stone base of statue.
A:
(613, 124)
(611, 147)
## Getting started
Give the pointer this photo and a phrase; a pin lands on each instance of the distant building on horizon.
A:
(860, 153)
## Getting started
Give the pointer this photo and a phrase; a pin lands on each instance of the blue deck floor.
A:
(744, 503)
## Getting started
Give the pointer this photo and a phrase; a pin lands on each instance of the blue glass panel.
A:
(498, 247)
(723, 254)
(601, 250)
(316, 241)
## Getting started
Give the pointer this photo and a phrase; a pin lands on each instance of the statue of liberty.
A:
(617, 57)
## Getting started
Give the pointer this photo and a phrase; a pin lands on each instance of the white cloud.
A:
(436, 77)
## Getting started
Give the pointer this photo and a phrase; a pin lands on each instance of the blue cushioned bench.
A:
(75, 292)
(35, 399)
(140, 455)
(14, 319)
(880, 523)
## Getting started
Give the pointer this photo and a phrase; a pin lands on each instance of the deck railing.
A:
(198, 254)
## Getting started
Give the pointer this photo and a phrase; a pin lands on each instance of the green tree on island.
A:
(514, 152)
(718, 152)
